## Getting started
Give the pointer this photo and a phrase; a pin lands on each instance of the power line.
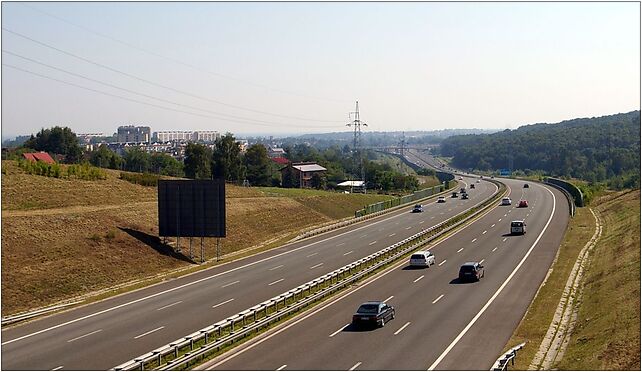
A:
(153, 97)
(157, 84)
(178, 61)
(130, 99)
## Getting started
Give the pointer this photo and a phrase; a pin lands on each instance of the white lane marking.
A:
(57, 368)
(363, 236)
(313, 254)
(347, 253)
(432, 217)
(490, 301)
(88, 334)
(393, 234)
(388, 299)
(282, 367)
(402, 328)
(223, 303)
(493, 225)
(317, 265)
(277, 281)
(421, 222)
(276, 267)
(195, 282)
(505, 214)
(460, 249)
(482, 261)
(338, 245)
(373, 243)
(396, 223)
(494, 249)
(504, 239)
(409, 227)
(355, 366)
(442, 262)
(166, 306)
(418, 279)
(500, 220)
(147, 333)
(485, 231)
(229, 284)
(472, 241)
(339, 330)
(437, 299)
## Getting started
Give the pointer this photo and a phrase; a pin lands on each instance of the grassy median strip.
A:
(606, 335)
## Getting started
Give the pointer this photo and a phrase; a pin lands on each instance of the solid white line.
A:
(393, 234)
(340, 244)
(280, 280)
(388, 299)
(223, 303)
(194, 282)
(418, 279)
(347, 253)
(485, 231)
(460, 249)
(494, 249)
(437, 299)
(152, 331)
(442, 262)
(339, 330)
(472, 241)
(229, 284)
(372, 243)
(313, 254)
(481, 262)
(317, 265)
(88, 334)
(281, 368)
(402, 328)
(276, 267)
(165, 307)
(355, 366)
(490, 301)
(57, 368)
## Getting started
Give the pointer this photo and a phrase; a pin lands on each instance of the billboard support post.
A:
(218, 248)
(202, 251)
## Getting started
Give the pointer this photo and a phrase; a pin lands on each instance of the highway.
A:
(105, 334)
(440, 323)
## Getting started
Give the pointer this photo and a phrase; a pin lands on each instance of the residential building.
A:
(39, 156)
(132, 134)
(173, 135)
(205, 136)
(304, 172)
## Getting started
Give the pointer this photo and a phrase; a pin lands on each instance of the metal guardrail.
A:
(222, 333)
(502, 363)
(387, 204)
(35, 313)
(578, 197)
(569, 197)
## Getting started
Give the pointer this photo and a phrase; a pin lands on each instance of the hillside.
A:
(64, 238)
(592, 149)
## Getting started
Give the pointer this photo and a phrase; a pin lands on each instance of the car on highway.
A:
(454, 194)
(506, 201)
(518, 227)
(461, 178)
(464, 196)
(463, 190)
(472, 271)
(422, 259)
(418, 208)
(478, 181)
(522, 204)
(526, 186)
(441, 199)
(373, 313)
(472, 185)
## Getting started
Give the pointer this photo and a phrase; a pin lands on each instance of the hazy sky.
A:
(299, 67)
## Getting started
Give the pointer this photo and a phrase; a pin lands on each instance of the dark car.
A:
(464, 196)
(471, 271)
(454, 194)
(417, 208)
(526, 186)
(373, 313)
(462, 190)
(472, 185)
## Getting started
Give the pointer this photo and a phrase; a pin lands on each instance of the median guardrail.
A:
(189, 349)
(509, 357)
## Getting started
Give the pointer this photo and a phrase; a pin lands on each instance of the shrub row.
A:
(78, 171)
(145, 179)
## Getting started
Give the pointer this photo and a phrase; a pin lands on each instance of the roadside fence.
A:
(502, 363)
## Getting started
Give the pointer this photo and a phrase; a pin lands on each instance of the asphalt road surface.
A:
(440, 323)
(105, 334)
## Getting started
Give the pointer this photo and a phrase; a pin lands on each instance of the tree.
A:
(166, 165)
(290, 180)
(257, 164)
(103, 157)
(57, 140)
(226, 160)
(318, 181)
(198, 161)
(137, 160)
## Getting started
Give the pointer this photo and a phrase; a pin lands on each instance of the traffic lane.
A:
(54, 347)
(495, 327)
(360, 351)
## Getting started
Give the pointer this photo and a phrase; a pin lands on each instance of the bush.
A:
(110, 235)
(144, 179)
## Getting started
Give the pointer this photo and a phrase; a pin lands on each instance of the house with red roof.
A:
(39, 156)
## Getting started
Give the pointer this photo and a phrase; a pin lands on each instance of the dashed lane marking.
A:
(460, 249)
(229, 284)
(437, 299)
(150, 332)
(277, 281)
(339, 330)
(402, 328)
(317, 265)
(223, 303)
(83, 336)
(418, 279)
(355, 366)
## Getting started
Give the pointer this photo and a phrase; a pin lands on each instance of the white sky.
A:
(412, 66)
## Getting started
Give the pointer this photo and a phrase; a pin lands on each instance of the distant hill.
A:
(593, 149)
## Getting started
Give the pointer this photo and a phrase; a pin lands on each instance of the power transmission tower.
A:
(403, 142)
(356, 144)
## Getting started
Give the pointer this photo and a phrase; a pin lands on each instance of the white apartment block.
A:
(176, 135)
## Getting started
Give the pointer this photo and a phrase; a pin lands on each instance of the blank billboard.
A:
(191, 208)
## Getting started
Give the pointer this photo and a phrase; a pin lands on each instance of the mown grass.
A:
(66, 238)
(607, 333)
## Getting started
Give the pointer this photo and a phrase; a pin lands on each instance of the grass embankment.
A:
(607, 332)
(64, 238)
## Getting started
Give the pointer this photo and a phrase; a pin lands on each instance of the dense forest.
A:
(602, 149)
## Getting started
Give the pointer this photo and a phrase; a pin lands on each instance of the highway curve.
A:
(105, 334)
(440, 323)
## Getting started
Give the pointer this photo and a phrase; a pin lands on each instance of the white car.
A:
(506, 201)
(441, 199)
(422, 259)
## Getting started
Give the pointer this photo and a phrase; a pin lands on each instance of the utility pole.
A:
(403, 142)
(356, 144)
